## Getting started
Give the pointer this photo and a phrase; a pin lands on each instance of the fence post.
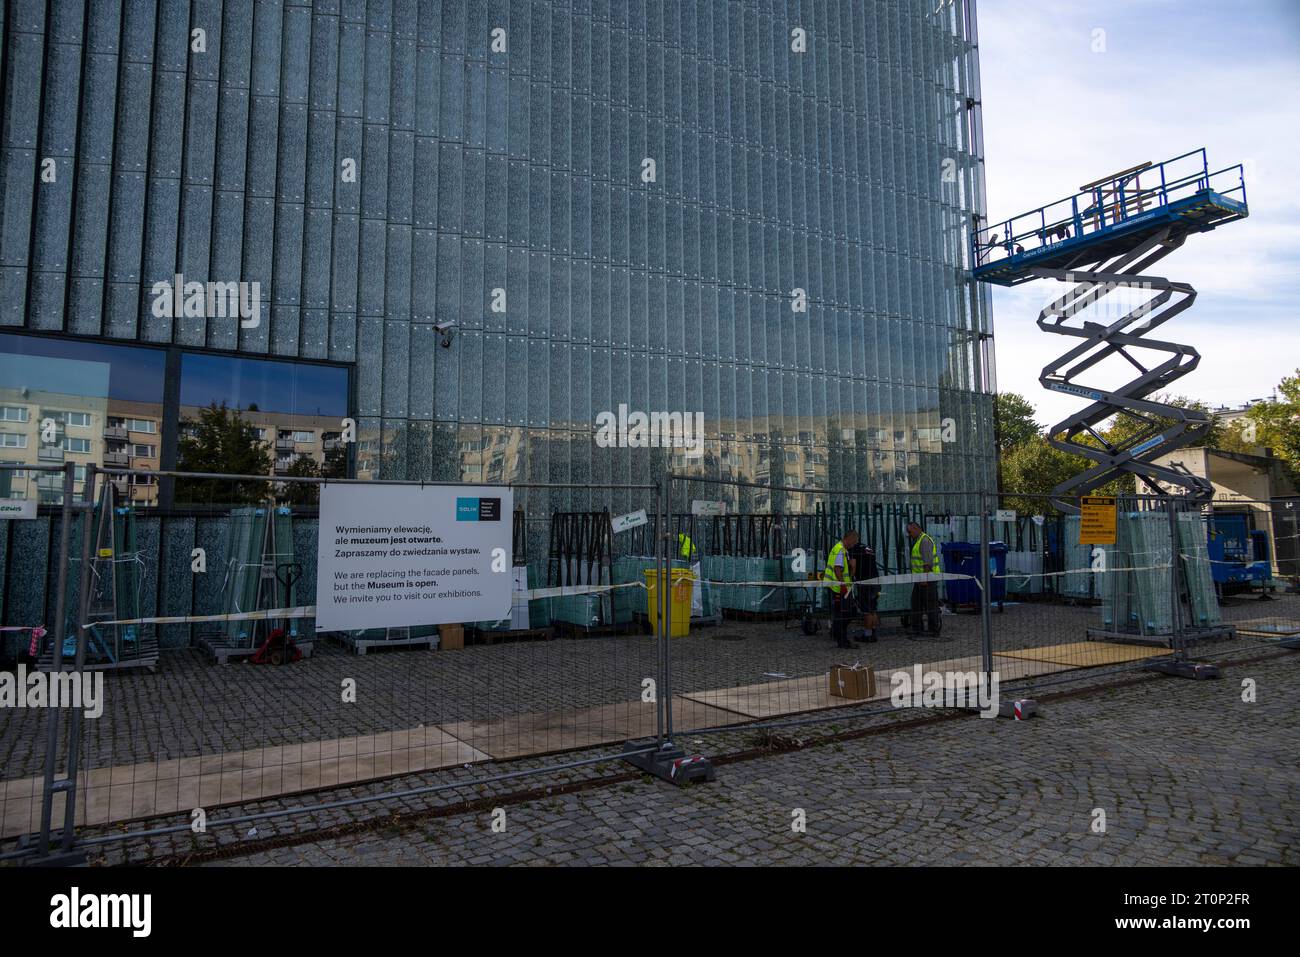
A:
(661, 526)
(88, 532)
(986, 617)
(1177, 638)
(60, 631)
(666, 610)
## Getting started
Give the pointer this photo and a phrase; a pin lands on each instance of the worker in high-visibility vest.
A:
(839, 571)
(686, 551)
(685, 547)
(925, 595)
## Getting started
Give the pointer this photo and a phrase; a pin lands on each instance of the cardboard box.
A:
(853, 681)
(451, 637)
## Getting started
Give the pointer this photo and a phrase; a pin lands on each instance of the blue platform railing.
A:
(1107, 205)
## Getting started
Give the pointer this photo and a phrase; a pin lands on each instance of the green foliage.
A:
(1029, 465)
(304, 466)
(1123, 427)
(221, 442)
(1015, 421)
(301, 493)
(1273, 423)
(1033, 469)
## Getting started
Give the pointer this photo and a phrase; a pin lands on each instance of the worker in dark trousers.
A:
(839, 571)
(865, 596)
(925, 595)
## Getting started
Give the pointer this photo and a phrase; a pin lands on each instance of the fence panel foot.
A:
(670, 763)
(1184, 669)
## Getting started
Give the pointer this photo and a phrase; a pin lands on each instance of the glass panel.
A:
(62, 400)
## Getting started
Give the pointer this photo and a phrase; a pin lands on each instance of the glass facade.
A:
(756, 210)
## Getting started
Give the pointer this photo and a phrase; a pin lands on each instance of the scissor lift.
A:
(1099, 241)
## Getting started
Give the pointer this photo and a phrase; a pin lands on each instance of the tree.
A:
(301, 493)
(1015, 421)
(1032, 469)
(1275, 424)
(220, 441)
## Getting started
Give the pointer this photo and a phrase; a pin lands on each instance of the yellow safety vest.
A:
(686, 548)
(830, 575)
(918, 563)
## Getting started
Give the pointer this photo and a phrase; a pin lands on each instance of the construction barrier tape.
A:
(303, 611)
(533, 594)
(1081, 571)
(560, 591)
(827, 583)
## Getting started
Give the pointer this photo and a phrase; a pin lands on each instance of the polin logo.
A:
(73, 910)
(478, 509)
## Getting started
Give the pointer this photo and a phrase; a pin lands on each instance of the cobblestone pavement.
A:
(191, 707)
(1186, 772)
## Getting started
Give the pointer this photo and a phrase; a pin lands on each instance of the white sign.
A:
(392, 556)
(17, 508)
(1004, 515)
(708, 508)
(622, 523)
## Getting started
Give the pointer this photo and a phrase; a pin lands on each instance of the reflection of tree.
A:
(301, 493)
(304, 466)
(336, 463)
(220, 441)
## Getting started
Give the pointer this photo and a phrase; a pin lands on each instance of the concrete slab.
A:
(126, 792)
(1087, 654)
(542, 733)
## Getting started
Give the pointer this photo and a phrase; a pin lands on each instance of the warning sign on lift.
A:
(1097, 521)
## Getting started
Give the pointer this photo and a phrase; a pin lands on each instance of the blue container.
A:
(963, 558)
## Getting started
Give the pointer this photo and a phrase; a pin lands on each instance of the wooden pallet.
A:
(360, 646)
(485, 636)
(224, 651)
(144, 655)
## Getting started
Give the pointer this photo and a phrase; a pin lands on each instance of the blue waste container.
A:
(963, 558)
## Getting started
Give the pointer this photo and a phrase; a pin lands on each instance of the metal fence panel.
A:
(766, 633)
(571, 674)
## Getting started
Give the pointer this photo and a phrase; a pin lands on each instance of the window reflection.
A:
(65, 400)
(70, 400)
(259, 417)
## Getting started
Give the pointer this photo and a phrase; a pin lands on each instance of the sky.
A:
(1073, 91)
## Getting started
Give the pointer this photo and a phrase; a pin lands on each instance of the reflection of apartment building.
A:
(49, 429)
(133, 440)
(503, 457)
(288, 437)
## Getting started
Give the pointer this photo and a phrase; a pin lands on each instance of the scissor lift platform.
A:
(1111, 217)
(1103, 240)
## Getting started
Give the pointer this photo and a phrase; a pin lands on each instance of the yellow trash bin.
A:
(683, 583)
